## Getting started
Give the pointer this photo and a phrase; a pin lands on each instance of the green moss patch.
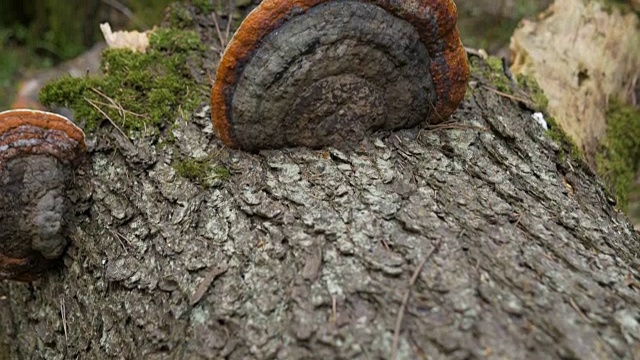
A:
(205, 6)
(138, 91)
(537, 96)
(567, 146)
(201, 171)
(617, 159)
(492, 70)
(180, 17)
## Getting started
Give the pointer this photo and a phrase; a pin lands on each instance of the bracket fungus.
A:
(322, 72)
(38, 153)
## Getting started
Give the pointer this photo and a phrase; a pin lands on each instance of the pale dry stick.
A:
(520, 216)
(63, 313)
(405, 300)
(570, 166)
(334, 309)
(451, 125)
(107, 117)
(579, 311)
(455, 125)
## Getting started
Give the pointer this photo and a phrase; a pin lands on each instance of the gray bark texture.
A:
(475, 240)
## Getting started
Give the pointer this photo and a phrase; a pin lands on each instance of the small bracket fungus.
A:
(38, 152)
(322, 72)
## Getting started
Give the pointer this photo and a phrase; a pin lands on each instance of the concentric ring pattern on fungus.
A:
(316, 72)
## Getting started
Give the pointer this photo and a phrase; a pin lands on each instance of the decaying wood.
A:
(533, 260)
(582, 53)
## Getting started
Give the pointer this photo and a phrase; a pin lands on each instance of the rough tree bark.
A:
(477, 240)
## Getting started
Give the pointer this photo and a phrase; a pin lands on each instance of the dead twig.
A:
(579, 311)
(63, 314)
(114, 104)
(223, 39)
(106, 116)
(455, 125)
(334, 310)
(122, 239)
(524, 101)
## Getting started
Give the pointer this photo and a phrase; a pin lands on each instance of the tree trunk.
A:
(477, 240)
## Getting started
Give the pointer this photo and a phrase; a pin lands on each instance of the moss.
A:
(139, 91)
(10, 63)
(492, 70)
(529, 83)
(147, 12)
(497, 75)
(540, 102)
(67, 38)
(205, 6)
(180, 17)
(172, 40)
(623, 6)
(201, 171)
(567, 146)
(618, 156)
(221, 172)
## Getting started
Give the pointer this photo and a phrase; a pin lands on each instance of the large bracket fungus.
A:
(38, 153)
(323, 72)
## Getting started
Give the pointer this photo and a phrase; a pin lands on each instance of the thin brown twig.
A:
(107, 117)
(223, 39)
(455, 125)
(405, 300)
(509, 96)
(214, 15)
(114, 104)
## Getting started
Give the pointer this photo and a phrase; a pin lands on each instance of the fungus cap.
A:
(38, 151)
(314, 72)
(25, 132)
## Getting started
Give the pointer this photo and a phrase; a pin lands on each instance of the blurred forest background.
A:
(41, 34)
